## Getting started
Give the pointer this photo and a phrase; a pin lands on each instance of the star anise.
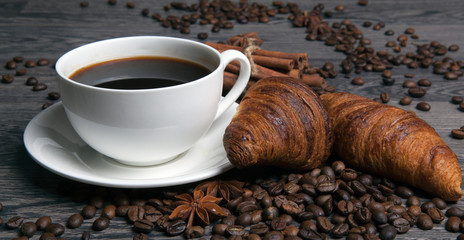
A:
(197, 207)
(224, 188)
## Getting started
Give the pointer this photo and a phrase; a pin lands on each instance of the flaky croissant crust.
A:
(392, 142)
(280, 122)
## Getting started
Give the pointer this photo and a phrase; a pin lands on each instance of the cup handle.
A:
(242, 80)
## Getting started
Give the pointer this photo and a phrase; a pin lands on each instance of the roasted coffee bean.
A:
(274, 235)
(30, 64)
(461, 106)
(453, 224)
(135, 213)
(423, 106)
(388, 81)
(54, 95)
(43, 222)
(348, 174)
(259, 229)
(389, 32)
(202, 35)
(385, 97)
(11, 65)
(235, 230)
(100, 224)
(14, 222)
(414, 211)
(424, 222)
(75, 221)
(436, 214)
(409, 84)
(89, 212)
(246, 206)
(413, 201)
(31, 81)
(417, 92)
(84, 4)
(244, 219)
(345, 207)
(143, 226)
(220, 228)
(455, 211)
(424, 82)
(43, 62)
(363, 215)
(388, 232)
(194, 232)
(86, 235)
(21, 72)
(39, 87)
(402, 225)
(379, 217)
(453, 48)
(457, 99)
(451, 75)
(357, 81)
(28, 229)
(340, 230)
(395, 200)
(315, 210)
(7, 78)
(457, 133)
(55, 228)
(47, 236)
(358, 188)
(404, 192)
(426, 205)
(439, 203)
(109, 211)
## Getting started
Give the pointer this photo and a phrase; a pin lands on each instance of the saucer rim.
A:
(192, 175)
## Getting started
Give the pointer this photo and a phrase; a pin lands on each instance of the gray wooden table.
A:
(47, 29)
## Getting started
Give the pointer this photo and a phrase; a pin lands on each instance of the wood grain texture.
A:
(36, 29)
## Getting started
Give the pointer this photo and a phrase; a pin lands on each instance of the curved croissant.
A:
(392, 142)
(280, 122)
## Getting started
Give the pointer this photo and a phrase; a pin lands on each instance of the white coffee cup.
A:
(147, 126)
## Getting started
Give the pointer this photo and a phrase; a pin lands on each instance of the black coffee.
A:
(140, 73)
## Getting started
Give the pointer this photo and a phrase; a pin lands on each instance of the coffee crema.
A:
(136, 73)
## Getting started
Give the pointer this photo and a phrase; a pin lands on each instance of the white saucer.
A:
(52, 142)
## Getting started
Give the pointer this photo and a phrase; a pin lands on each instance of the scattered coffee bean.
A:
(409, 75)
(54, 95)
(340, 8)
(177, 227)
(453, 48)
(417, 92)
(461, 106)
(451, 76)
(7, 78)
(75, 220)
(409, 31)
(47, 236)
(423, 106)
(424, 82)
(202, 35)
(30, 64)
(28, 229)
(55, 228)
(14, 222)
(385, 97)
(109, 211)
(452, 224)
(39, 87)
(85, 235)
(388, 232)
(100, 224)
(84, 4)
(31, 81)
(457, 133)
(457, 99)
(43, 222)
(389, 32)
(357, 81)
(130, 5)
(143, 226)
(11, 65)
(88, 212)
(424, 222)
(409, 84)
(21, 72)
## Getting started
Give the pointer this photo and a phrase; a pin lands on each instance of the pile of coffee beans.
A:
(328, 202)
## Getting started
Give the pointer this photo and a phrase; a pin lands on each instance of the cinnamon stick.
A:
(295, 73)
(230, 79)
(260, 73)
(274, 63)
(314, 80)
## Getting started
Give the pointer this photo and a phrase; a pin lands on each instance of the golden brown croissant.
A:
(280, 122)
(392, 142)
